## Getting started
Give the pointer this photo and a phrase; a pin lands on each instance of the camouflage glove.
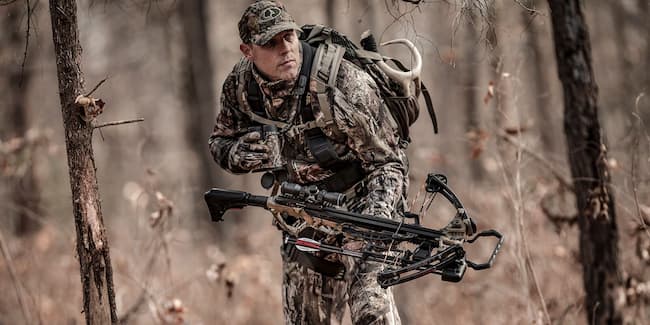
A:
(248, 153)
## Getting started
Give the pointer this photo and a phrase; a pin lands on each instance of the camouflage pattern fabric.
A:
(311, 298)
(262, 20)
(366, 135)
(249, 152)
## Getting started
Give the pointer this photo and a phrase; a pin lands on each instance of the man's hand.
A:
(249, 152)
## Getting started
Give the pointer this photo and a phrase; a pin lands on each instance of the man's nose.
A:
(284, 45)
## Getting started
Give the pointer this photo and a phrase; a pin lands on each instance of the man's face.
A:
(279, 58)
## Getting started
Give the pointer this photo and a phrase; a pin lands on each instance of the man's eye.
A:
(269, 44)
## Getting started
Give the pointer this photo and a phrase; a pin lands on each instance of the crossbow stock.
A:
(436, 251)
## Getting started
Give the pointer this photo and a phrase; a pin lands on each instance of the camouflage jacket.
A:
(363, 133)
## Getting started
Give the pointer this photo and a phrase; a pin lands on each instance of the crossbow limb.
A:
(437, 251)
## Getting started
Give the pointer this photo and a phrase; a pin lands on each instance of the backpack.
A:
(404, 109)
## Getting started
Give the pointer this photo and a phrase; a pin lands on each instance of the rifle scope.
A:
(312, 194)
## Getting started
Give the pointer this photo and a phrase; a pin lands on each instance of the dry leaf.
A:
(171, 312)
(490, 92)
(92, 107)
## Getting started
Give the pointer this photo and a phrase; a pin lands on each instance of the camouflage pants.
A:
(311, 298)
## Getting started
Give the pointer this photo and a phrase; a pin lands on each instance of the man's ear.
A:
(246, 50)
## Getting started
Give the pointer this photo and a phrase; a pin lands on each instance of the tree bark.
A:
(588, 160)
(25, 191)
(199, 91)
(92, 244)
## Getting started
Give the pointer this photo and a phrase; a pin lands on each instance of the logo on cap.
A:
(269, 14)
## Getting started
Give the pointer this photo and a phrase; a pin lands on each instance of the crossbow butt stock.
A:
(219, 201)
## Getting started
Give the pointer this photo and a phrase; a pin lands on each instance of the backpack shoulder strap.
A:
(319, 145)
(324, 71)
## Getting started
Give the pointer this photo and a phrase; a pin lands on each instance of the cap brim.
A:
(277, 29)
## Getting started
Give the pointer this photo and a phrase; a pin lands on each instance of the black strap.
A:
(308, 53)
(345, 177)
(255, 98)
(432, 113)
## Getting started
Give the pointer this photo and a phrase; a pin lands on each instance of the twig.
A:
(99, 126)
(633, 171)
(526, 266)
(97, 86)
(563, 180)
(22, 66)
(530, 10)
(14, 279)
(123, 319)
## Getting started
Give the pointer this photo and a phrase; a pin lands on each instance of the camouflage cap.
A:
(264, 19)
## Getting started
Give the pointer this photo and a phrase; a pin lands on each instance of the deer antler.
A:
(405, 77)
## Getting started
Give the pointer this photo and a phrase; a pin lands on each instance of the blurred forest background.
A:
(501, 143)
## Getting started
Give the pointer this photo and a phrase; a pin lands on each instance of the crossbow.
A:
(390, 242)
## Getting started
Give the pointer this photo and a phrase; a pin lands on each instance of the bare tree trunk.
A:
(624, 95)
(199, 90)
(330, 7)
(372, 9)
(587, 157)
(540, 84)
(92, 244)
(470, 75)
(644, 5)
(25, 190)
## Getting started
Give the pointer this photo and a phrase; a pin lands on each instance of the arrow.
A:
(307, 245)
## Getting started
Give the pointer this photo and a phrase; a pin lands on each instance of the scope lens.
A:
(334, 198)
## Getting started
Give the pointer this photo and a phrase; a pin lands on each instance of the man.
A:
(369, 164)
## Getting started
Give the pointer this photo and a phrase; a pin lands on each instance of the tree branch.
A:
(14, 279)
(99, 126)
(97, 86)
